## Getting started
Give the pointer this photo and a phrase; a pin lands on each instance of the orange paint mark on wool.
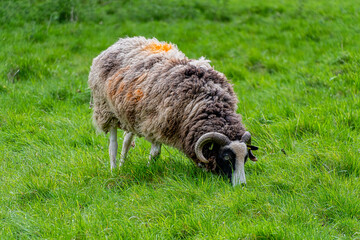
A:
(135, 96)
(138, 94)
(120, 88)
(159, 47)
(114, 81)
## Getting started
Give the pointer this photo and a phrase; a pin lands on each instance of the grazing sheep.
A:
(151, 89)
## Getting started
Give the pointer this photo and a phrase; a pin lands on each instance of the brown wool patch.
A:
(138, 94)
(141, 78)
(120, 88)
(114, 82)
(176, 61)
(134, 96)
(129, 96)
(158, 47)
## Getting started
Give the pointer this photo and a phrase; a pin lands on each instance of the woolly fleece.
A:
(152, 89)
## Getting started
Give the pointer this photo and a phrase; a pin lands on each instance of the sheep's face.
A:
(231, 161)
(226, 161)
(230, 156)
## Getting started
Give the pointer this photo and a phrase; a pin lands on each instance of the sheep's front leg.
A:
(126, 146)
(154, 152)
(113, 145)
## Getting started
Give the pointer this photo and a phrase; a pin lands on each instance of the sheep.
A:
(151, 89)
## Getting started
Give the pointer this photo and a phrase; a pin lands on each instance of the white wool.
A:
(240, 149)
(201, 62)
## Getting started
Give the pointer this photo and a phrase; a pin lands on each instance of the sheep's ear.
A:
(250, 147)
(252, 156)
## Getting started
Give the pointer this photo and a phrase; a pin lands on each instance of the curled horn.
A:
(216, 137)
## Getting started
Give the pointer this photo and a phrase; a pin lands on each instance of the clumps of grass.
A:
(45, 105)
(348, 165)
(283, 186)
(26, 68)
(34, 194)
(259, 64)
(58, 11)
(296, 76)
(343, 58)
(219, 11)
(349, 226)
(262, 10)
(82, 141)
(333, 158)
(235, 73)
(162, 10)
(315, 32)
(62, 11)
(76, 96)
(3, 89)
(81, 97)
(48, 11)
(316, 83)
(49, 101)
(37, 34)
(61, 94)
(335, 202)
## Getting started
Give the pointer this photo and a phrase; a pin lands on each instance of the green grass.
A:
(295, 68)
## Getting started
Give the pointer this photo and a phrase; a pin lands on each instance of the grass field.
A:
(295, 68)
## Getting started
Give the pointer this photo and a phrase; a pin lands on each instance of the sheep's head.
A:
(230, 156)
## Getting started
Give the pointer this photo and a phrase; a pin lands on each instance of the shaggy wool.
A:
(152, 89)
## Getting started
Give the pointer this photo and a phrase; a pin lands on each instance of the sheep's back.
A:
(155, 91)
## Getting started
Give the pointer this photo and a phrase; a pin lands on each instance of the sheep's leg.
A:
(126, 146)
(113, 147)
(154, 152)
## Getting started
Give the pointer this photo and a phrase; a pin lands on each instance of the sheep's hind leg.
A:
(126, 146)
(113, 145)
(154, 152)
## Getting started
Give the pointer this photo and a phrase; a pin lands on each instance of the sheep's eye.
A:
(227, 157)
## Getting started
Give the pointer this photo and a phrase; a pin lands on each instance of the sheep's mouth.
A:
(238, 176)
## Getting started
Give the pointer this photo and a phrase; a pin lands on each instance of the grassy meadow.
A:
(294, 66)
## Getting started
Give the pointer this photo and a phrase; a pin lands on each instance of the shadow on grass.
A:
(34, 193)
(161, 172)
